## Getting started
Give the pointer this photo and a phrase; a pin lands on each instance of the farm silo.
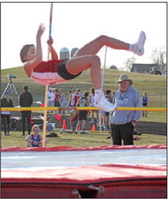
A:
(64, 53)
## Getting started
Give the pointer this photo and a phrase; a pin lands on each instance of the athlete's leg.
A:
(95, 45)
(83, 63)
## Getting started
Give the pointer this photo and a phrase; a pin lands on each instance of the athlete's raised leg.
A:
(82, 63)
(95, 45)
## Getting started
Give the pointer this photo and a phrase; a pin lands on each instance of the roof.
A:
(142, 68)
(64, 50)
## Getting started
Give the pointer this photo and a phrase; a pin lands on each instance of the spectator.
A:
(76, 97)
(26, 100)
(79, 92)
(35, 139)
(106, 114)
(5, 115)
(51, 97)
(123, 122)
(83, 102)
(56, 101)
(73, 121)
(71, 99)
(57, 98)
(63, 102)
(145, 103)
(92, 104)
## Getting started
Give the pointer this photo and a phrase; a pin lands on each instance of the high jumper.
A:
(57, 71)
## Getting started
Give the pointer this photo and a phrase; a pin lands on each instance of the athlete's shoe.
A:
(102, 103)
(138, 48)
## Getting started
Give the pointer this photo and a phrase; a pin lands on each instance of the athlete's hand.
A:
(40, 30)
(50, 41)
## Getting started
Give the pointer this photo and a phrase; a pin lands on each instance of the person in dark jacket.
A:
(26, 100)
(83, 102)
(5, 115)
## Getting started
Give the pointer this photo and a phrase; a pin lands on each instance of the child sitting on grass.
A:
(34, 139)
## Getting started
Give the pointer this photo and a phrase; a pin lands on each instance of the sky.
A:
(75, 24)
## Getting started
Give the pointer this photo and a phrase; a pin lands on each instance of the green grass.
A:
(154, 85)
(94, 138)
(155, 117)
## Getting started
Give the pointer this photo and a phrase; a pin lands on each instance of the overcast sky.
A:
(74, 24)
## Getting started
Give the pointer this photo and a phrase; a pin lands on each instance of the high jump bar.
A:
(79, 108)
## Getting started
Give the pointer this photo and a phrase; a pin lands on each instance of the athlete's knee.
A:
(95, 58)
(102, 38)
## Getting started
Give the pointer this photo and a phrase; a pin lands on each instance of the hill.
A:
(154, 85)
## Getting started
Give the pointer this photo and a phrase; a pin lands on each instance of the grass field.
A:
(94, 138)
(153, 84)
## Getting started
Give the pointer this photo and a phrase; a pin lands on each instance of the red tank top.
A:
(46, 73)
(47, 66)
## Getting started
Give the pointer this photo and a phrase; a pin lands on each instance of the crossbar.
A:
(80, 108)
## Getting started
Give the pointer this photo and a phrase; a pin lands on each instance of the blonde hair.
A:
(35, 126)
(24, 51)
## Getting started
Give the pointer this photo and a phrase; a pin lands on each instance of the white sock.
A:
(132, 47)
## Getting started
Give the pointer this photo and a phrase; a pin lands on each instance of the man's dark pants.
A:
(26, 118)
(5, 122)
(122, 132)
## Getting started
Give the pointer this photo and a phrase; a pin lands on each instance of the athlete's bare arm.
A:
(54, 54)
(35, 58)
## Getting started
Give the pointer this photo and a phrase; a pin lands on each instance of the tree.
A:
(129, 62)
(159, 57)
